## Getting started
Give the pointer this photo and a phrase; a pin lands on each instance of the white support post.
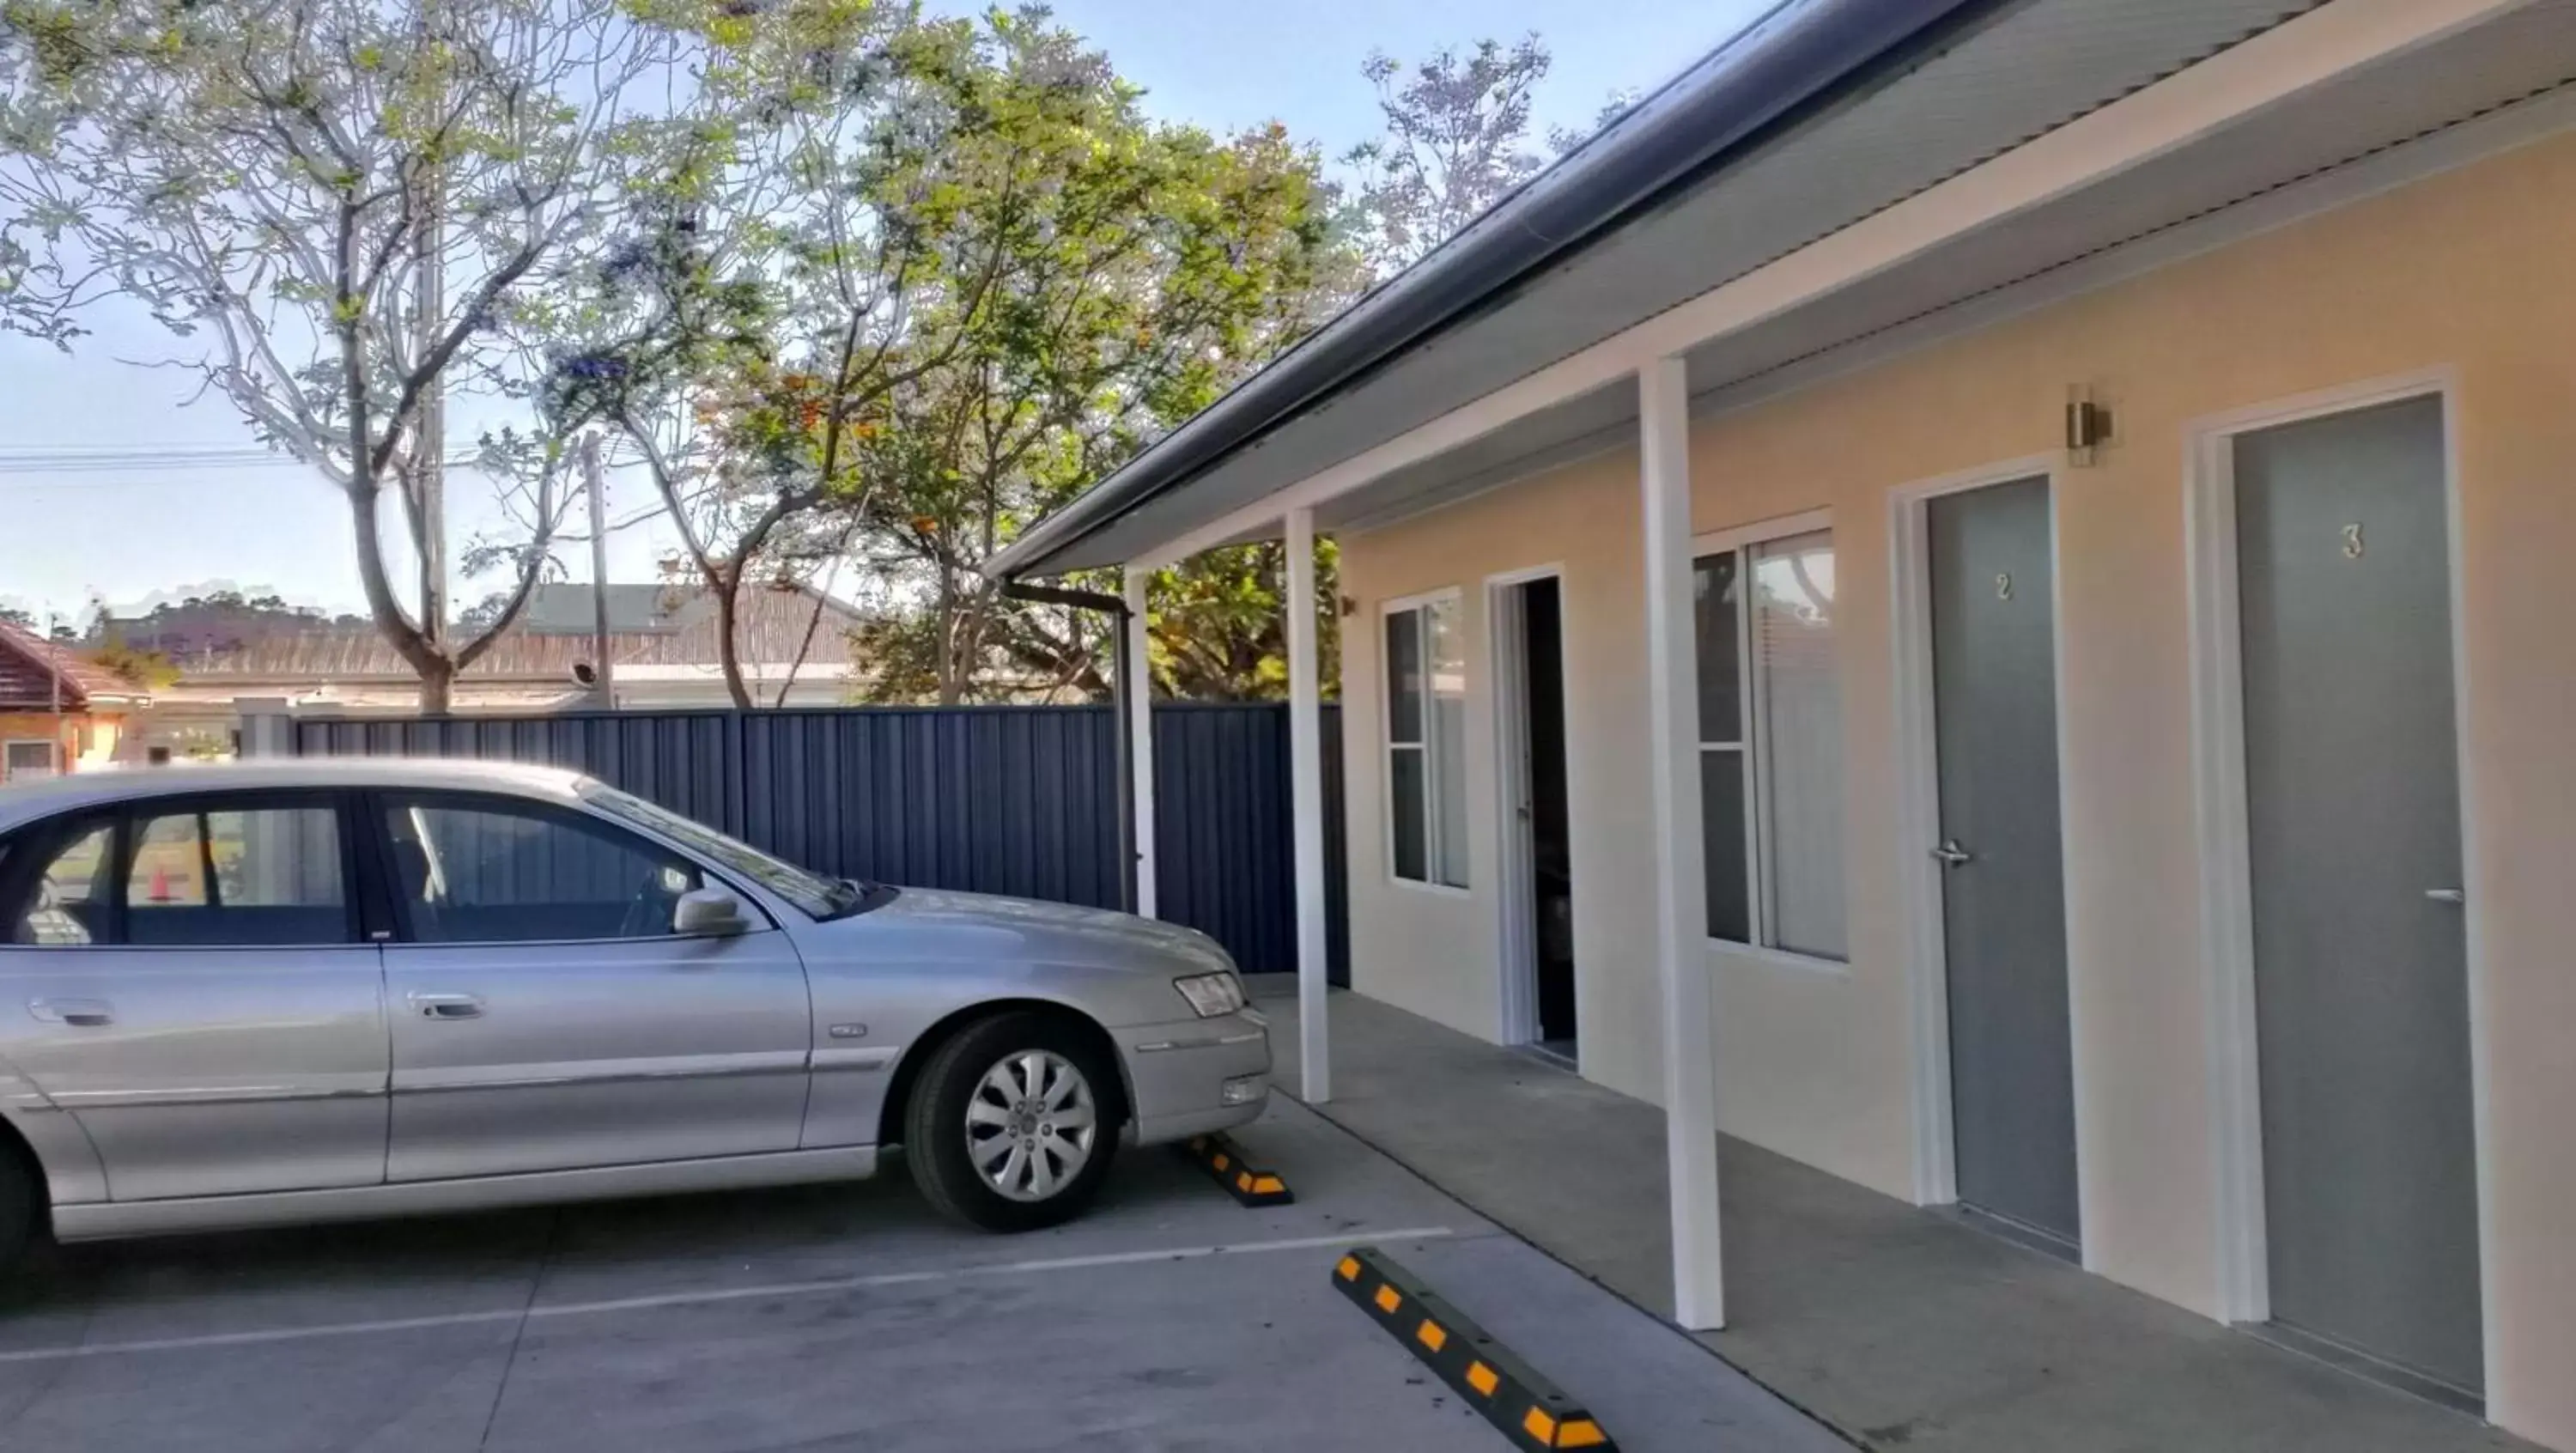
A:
(1681, 912)
(1139, 706)
(1306, 811)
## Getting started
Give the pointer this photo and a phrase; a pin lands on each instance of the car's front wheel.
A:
(1013, 1122)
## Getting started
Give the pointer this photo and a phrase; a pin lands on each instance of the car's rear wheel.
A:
(1013, 1122)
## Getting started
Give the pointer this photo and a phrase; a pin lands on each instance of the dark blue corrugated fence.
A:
(995, 799)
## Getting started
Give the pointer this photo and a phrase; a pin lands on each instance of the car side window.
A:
(65, 903)
(490, 871)
(222, 875)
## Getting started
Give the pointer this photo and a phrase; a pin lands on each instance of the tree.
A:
(1456, 142)
(146, 669)
(989, 280)
(24, 620)
(349, 215)
(1220, 623)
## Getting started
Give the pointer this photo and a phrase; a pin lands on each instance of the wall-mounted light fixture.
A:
(1350, 607)
(2088, 424)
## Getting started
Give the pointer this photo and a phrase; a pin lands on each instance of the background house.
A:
(795, 649)
(58, 709)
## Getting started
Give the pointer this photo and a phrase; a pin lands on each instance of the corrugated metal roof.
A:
(772, 630)
(2026, 70)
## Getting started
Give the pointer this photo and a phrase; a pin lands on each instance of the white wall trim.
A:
(2219, 785)
(1727, 953)
(2298, 55)
(1919, 813)
(1515, 867)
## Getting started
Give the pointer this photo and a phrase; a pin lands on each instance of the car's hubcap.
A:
(1031, 1125)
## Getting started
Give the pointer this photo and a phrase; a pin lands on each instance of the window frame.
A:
(400, 929)
(1419, 605)
(53, 757)
(1752, 750)
(124, 818)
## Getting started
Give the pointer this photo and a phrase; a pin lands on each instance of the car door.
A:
(545, 1016)
(185, 977)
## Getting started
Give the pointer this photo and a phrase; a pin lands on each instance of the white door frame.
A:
(1516, 903)
(1936, 1180)
(2227, 883)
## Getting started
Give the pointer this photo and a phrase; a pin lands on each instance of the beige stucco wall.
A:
(2473, 271)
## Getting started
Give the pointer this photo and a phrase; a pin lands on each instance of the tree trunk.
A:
(437, 670)
(950, 687)
(728, 589)
(437, 687)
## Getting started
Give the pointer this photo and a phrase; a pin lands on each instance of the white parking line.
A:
(714, 1295)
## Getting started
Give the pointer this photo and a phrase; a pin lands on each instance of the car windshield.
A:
(812, 893)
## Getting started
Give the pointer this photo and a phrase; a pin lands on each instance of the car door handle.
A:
(446, 1006)
(87, 1013)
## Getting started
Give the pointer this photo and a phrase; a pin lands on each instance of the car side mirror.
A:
(708, 913)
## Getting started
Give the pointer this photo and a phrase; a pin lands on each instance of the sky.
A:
(132, 536)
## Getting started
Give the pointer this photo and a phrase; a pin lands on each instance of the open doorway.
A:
(1538, 897)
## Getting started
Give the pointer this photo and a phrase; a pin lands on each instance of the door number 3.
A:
(2003, 585)
(2352, 544)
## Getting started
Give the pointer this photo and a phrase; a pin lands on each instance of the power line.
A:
(153, 462)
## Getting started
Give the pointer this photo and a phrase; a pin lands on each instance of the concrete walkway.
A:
(1899, 1327)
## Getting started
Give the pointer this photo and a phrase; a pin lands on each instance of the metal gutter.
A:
(1797, 52)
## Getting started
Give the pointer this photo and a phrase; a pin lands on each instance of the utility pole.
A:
(429, 449)
(54, 673)
(595, 480)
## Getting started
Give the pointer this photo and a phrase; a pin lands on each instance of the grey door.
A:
(2003, 904)
(2360, 962)
(545, 1017)
(189, 983)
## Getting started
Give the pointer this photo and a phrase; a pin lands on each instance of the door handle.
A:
(446, 1006)
(2447, 895)
(86, 1013)
(1951, 854)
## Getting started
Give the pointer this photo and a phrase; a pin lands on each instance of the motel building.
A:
(1983, 596)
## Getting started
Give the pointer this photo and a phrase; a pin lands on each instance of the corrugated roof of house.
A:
(773, 630)
(30, 667)
(563, 608)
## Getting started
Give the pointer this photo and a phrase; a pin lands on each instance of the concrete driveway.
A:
(838, 1317)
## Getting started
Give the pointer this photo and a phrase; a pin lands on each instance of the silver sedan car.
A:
(291, 992)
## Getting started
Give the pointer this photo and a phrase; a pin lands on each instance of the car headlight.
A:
(1211, 995)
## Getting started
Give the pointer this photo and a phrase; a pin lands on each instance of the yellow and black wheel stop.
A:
(1529, 1409)
(1220, 1157)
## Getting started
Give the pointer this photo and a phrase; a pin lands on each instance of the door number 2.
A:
(2003, 585)
(2352, 542)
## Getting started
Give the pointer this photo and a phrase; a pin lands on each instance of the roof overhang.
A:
(2048, 147)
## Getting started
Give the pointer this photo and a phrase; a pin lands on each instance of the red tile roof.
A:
(30, 667)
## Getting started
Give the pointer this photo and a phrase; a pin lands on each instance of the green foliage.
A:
(149, 670)
(342, 211)
(960, 277)
(1456, 141)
